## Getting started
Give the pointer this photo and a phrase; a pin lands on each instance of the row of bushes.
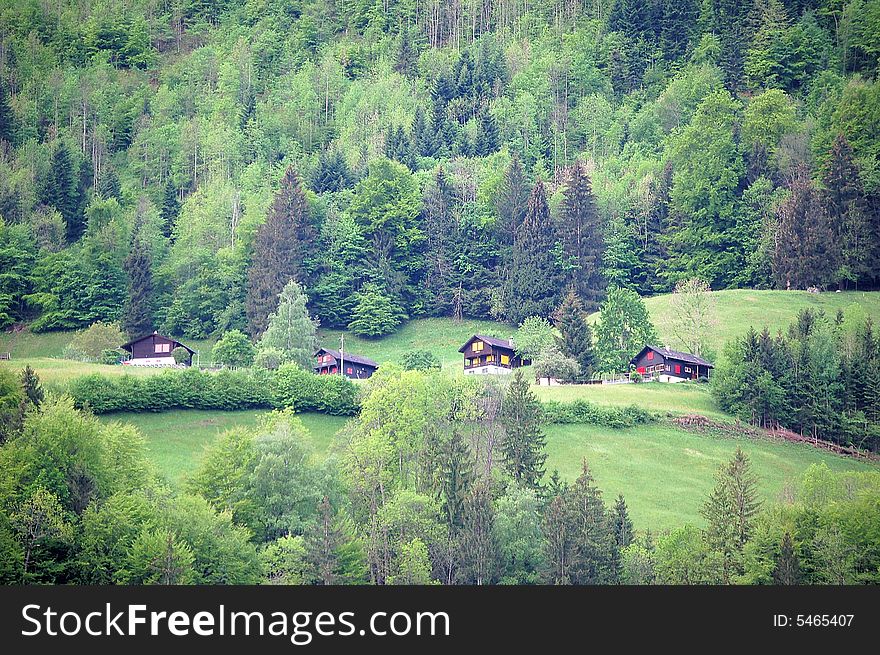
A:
(288, 387)
(582, 411)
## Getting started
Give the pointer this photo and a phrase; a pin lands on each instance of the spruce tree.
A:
(108, 186)
(788, 568)
(137, 315)
(457, 470)
(170, 209)
(534, 284)
(7, 118)
(557, 542)
(581, 235)
(332, 173)
(33, 389)
(595, 555)
(332, 556)
(623, 527)
(524, 442)
(576, 336)
(730, 510)
(282, 252)
(407, 57)
(440, 225)
(511, 202)
(62, 193)
(846, 207)
(487, 136)
(479, 546)
(805, 253)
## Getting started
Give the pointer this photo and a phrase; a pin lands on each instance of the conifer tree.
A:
(557, 542)
(511, 202)
(62, 193)
(623, 527)
(524, 441)
(282, 252)
(108, 186)
(595, 555)
(333, 557)
(440, 228)
(457, 478)
(805, 251)
(533, 287)
(406, 60)
(137, 315)
(846, 207)
(31, 386)
(479, 545)
(730, 510)
(170, 209)
(487, 136)
(581, 235)
(788, 568)
(576, 336)
(332, 173)
(7, 125)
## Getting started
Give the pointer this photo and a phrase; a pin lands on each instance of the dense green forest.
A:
(174, 163)
(249, 171)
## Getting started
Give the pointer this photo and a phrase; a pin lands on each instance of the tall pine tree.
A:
(170, 209)
(62, 193)
(442, 242)
(576, 336)
(511, 202)
(7, 125)
(524, 442)
(137, 315)
(581, 235)
(535, 279)
(282, 252)
(846, 207)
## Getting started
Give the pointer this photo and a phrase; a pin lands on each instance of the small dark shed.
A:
(357, 367)
(657, 363)
(154, 350)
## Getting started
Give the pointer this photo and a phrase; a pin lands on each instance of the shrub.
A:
(233, 350)
(420, 360)
(584, 412)
(181, 355)
(269, 359)
(110, 356)
(90, 344)
(635, 377)
(227, 390)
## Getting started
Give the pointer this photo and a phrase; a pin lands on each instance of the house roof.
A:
(492, 341)
(673, 354)
(127, 346)
(349, 357)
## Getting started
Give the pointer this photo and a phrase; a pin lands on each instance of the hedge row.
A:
(191, 388)
(582, 411)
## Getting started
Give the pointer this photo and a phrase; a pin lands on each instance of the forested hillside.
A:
(174, 163)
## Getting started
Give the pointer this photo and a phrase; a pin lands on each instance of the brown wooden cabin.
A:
(154, 350)
(355, 366)
(665, 365)
(484, 354)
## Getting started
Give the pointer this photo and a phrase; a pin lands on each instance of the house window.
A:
(505, 359)
(678, 368)
(348, 370)
(650, 354)
(477, 347)
(163, 347)
(687, 369)
(490, 358)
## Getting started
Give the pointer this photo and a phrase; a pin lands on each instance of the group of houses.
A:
(483, 355)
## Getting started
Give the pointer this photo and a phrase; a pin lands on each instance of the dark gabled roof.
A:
(349, 357)
(673, 354)
(492, 341)
(127, 346)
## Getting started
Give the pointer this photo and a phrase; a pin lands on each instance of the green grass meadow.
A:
(175, 440)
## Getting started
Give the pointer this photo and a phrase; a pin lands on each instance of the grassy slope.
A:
(176, 439)
(665, 473)
(739, 309)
